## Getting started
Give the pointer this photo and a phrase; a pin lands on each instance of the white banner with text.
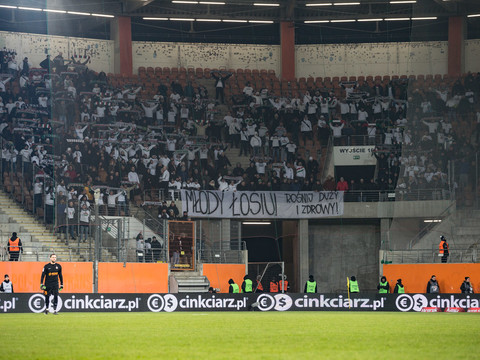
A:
(262, 204)
(354, 155)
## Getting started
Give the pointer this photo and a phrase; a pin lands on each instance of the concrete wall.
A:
(220, 56)
(472, 54)
(372, 59)
(398, 209)
(35, 47)
(311, 60)
(344, 249)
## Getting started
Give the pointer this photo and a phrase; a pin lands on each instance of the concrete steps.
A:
(232, 155)
(38, 241)
(191, 282)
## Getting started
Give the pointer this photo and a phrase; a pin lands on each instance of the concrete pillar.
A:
(385, 234)
(456, 45)
(303, 255)
(287, 43)
(121, 33)
(225, 231)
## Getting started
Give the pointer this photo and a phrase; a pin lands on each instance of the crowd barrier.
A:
(80, 302)
(115, 277)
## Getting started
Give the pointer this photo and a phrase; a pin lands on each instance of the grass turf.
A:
(246, 335)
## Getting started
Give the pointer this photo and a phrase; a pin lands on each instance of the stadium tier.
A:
(287, 155)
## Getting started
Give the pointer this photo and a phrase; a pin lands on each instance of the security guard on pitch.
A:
(399, 288)
(383, 287)
(310, 286)
(233, 288)
(247, 285)
(354, 285)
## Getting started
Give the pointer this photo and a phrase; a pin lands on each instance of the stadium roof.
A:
(244, 21)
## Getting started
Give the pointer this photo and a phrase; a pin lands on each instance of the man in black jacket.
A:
(51, 274)
(466, 286)
(432, 286)
(156, 249)
(220, 82)
(47, 64)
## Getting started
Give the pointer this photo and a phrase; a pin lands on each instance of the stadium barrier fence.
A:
(156, 302)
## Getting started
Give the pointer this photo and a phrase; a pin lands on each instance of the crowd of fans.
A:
(73, 131)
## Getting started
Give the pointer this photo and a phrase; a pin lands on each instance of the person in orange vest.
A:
(14, 247)
(274, 285)
(283, 285)
(259, 288)
(443, 249)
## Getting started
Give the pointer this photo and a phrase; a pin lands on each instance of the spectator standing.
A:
(466, 286)
(148, 250)
(342, 185)
(140, 248)
(156, 249)
(432, 286)
(220, 82)
(84, 222)
(14, 247)
(70, 212)
(306, 129)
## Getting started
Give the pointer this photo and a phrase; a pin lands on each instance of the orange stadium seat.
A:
(166, 71)
(158, 71)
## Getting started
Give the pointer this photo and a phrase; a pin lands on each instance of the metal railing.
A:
(357, 140)
(429, 226)
(36, 252)
(457, 254)
(396, 195)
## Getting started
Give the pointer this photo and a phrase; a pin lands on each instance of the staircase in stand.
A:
(38, 241)
(191, 282)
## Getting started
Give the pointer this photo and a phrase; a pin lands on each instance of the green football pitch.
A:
(245, 335)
